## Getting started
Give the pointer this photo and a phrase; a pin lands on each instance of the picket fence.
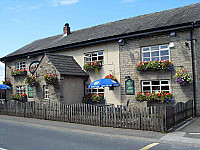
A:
(153, 118)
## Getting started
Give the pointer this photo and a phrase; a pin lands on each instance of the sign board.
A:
(129, 85)
(33, 66)
(30, 92)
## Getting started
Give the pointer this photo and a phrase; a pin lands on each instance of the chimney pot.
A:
(66, 29)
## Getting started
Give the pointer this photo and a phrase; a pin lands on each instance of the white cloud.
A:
(15, 8)
(63, 2)
(2, 72)
(128, 1)
(34, 7)
(15, 20)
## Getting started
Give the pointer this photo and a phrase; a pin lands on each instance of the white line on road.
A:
(149, 146)
(3, 149)
(195, 133)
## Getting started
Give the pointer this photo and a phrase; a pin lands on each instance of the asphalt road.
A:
(32, 134)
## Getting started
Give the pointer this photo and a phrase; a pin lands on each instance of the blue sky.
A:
(23, 21)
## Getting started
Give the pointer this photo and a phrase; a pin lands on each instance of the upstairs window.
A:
(21, 89)
(20, 65)
(156, 86)
(153, 53)
(95, 56)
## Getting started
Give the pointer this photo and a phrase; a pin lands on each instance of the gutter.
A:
(144, 33)
(193, 70)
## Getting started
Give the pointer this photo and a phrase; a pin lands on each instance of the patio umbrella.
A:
(4, 87)
(104, 83)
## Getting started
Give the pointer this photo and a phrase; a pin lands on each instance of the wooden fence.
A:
(154, 118)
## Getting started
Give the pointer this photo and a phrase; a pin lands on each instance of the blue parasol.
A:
(4, 87)
(104, 83)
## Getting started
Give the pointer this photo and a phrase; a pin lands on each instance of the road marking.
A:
(2, 149)
(195, 133)
(149, 146)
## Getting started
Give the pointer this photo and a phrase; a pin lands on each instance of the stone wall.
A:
(180, 55)
(18, 80)
(46, 67)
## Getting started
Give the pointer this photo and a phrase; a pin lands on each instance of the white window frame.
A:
(91, 90)
(89, 55)
(46, 92)
(20, 65)
(159, 50)
(21, 89)
(160, 85)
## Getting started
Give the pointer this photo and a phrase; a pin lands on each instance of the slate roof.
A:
(66, 65)
(177, 16)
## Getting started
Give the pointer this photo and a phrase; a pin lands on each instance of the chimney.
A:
(66, 29)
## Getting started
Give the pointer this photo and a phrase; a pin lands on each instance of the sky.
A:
(23, 21)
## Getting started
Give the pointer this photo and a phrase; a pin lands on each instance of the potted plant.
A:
(93, 66)
(165, 65)
(155, 97)
(19, 72)
(30, 80)
(183, 76)
(50, 78)
(7, 82)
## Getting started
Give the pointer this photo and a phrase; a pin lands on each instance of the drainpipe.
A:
(84, 84)
(193, 69)
(5, 80)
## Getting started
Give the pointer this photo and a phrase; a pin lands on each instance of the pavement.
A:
(187, 135)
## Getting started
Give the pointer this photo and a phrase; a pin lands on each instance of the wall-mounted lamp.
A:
(186, 44)
(121, 42)
(171, 44)
(172, 34)
(127, 77)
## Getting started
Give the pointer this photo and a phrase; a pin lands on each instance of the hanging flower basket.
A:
(110, 76)
(155, 65)
(21, 72)
(93, 66)
(19, 97)
(50, 78)
(183, 76)
(7, 82)
(30, 80)
(155, 97)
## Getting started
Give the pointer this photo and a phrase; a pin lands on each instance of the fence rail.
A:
(154, 118)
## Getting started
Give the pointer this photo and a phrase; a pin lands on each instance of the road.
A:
(32, 134)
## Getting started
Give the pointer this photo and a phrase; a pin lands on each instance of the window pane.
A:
(100, 58)
(155, 48)
(146, 59)
(164, 82)
(155, 88)
(101, 90)
(145, 49)
(94, 58)
(155, 82)
(146, 54)
(165, 58)
(166, 52)
(100, 53)
(88, 59)
(155, 58)
(156, 53)
(146, 83)
(165, 88)
(94, 54)
(146, 88)
(164, 46)
(94, 90)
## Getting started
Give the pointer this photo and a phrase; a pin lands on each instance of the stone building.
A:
(172, 35)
